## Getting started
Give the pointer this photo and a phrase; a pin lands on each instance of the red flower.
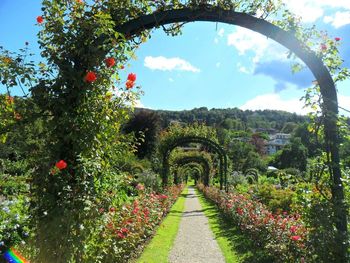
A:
(90, 77)
(295, 238)
(239, 211)
(101, 210)
(132, 77)
(110, 62)
(40, 19)
(122, 67)
(293, 229)
(323, 47)
(124, 230)
(129, 84)
(337, 39)
(112, 209)
(61, 165)
(120, 235)
(163, 196)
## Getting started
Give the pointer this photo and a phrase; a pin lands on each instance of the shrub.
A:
(283, 236)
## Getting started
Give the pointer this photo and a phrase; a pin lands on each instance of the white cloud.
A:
(221, 32)
(339, 19)
(274, 102)
(171, 79)
(216, 40)
(245, 40)
(311, 10)
(218, 64)
(243, 69)
(168, 64)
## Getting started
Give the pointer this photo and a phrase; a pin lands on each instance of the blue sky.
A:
(211, 65)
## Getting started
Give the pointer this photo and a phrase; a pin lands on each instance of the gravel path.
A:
(195, 242)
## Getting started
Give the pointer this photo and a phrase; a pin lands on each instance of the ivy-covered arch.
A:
(192, 167)
(181, 141)
(207, 12)
(195, 159)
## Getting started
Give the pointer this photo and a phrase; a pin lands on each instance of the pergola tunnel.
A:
(88, 175)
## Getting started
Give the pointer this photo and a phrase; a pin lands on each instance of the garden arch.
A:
(195, 159)
(287, 39)
(192, 167)
(213, 146)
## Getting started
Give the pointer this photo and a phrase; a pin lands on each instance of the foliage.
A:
(146, 126)
(293, 155)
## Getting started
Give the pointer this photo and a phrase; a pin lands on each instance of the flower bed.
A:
(132, 224)
(283, 236)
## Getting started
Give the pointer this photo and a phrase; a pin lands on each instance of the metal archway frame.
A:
(287, 39)
(195, 159)
(213, 146)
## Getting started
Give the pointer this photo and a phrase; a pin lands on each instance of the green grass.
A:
(158, 249)
(235, 247)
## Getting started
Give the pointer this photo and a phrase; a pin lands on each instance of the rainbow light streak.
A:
(12, 256)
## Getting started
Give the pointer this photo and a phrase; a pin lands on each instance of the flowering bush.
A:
(283, 236)
(128, 226)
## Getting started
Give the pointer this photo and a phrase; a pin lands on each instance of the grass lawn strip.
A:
(159, 248)
(217, 226)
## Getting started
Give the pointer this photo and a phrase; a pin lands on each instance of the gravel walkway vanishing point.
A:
(195, 242)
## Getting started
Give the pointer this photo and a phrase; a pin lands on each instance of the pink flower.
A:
(295, 238)
(140, 187)
(293, 229)
(337, 39)
(323, 47)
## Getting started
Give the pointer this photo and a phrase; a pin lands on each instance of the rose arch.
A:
(287, 39)
(194, 159)
(182, 141)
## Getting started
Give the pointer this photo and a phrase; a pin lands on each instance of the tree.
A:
(146, 126)
(293, 155)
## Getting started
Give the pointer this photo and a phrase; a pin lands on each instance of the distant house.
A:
(277, 142)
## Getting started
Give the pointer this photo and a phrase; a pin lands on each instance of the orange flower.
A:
(18, 116)
(110, 62)
(132, 77)
(90, 77)
(129, 84)
(40, 19)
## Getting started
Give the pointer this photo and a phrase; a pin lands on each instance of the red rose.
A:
(110, 62)
(129, 84)
(61, 165)
(295, 238)
(293, 229)
(90, 77)
(132, 77)
(337, 39)
(40, 19)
